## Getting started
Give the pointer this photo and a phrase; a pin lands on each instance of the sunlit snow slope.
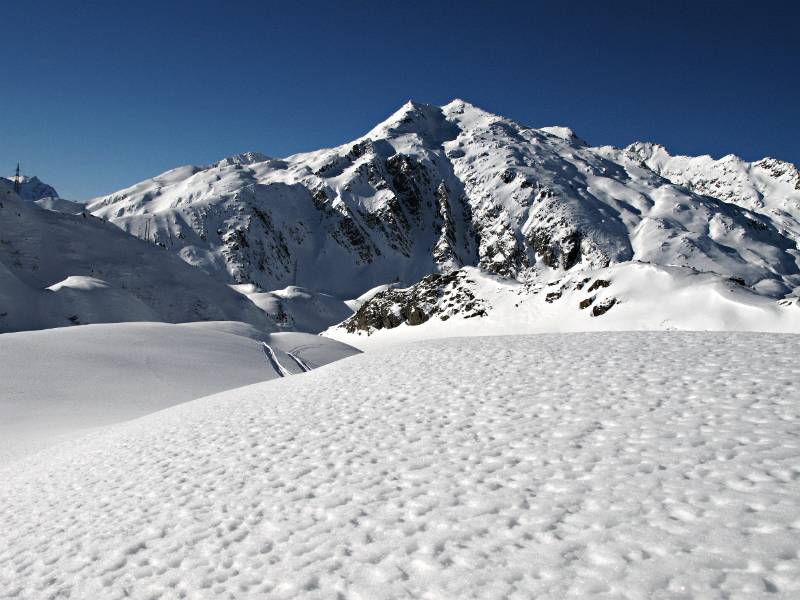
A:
(624, 465)
(58, 383)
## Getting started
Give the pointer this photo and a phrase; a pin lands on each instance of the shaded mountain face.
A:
(433, 189)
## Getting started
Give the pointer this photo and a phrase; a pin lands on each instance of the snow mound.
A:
(79, 282)
(58, 383)
(623, 465)
(298, 309)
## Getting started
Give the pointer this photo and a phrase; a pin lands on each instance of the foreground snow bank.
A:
(626, 465)
(57, 383)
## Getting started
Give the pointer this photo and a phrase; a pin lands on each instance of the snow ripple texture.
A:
(624, 465)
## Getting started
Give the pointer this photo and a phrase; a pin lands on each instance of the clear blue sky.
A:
(98, 95)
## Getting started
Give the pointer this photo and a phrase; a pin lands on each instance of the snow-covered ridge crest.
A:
(768, 186)
(433, 189)
(244, 158)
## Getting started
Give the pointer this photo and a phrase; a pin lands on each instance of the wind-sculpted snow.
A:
(298, 309)
(657, 465)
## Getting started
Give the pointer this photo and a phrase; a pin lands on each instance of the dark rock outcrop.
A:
(435, 295)
(603, 307)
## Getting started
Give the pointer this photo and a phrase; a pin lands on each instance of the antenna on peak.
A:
(16, 181)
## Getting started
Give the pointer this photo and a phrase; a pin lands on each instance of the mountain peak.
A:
(426, 121)
(457, 106)
(413, 110)
(644, 151)
(413, 105)
(565, 133)
(459, 103)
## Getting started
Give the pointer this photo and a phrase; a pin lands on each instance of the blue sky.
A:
(98, 95)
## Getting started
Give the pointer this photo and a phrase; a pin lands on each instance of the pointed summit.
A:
(458, 104)
(426, 121)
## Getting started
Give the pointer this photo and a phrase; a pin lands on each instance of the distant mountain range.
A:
(453, 212)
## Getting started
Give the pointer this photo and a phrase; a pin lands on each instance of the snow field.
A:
(609, 465)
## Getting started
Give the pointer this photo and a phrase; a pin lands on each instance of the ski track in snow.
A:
(273, 361)
(299, 361)
(614, 465)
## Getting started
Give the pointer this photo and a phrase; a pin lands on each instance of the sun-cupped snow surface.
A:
(616, 465)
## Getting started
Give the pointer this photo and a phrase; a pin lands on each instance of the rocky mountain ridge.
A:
(434, 189)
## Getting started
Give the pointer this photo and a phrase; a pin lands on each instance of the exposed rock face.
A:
(599, 283)
(441, 296)
(433, 189)
(603, 307)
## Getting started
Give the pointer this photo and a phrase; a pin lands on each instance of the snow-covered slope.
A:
(61, 205)
(58, 269)
(633, 466)
(58, 383)
(433, 189)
